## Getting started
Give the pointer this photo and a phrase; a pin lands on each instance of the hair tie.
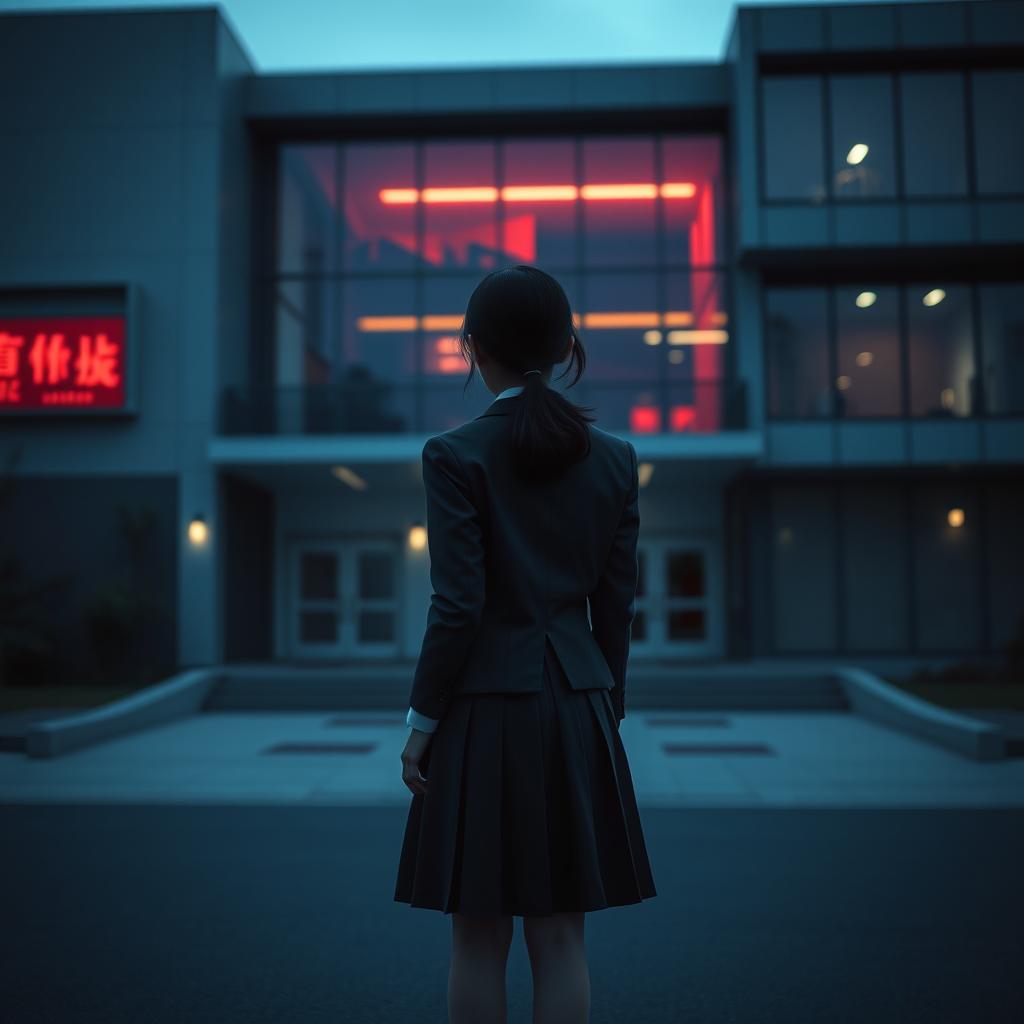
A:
(528, 372)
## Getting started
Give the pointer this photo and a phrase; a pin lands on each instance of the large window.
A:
(862, 136)
(794, 158)
(898, 350)
(834, 135)
(879, 567)
(1002, 333)
(998, 99)
(380, 244)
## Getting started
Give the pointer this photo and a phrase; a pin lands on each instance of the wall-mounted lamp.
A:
(417, 536)
(197, 531)
(955, 517)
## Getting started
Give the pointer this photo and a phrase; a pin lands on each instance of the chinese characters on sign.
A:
(48, 362)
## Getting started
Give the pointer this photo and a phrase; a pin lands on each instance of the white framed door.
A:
(343, 598)
(678, 604)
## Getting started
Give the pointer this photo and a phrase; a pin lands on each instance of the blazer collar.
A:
(500, 406)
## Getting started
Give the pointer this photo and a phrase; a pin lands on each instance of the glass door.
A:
(344, 599)
(677, 611)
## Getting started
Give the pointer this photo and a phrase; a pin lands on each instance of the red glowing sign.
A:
(62, 361)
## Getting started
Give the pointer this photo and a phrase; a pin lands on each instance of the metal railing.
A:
(655, 407)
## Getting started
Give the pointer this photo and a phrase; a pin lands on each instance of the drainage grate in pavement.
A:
(321, 748)
(717, 748)
(368, 720)
(706, 720)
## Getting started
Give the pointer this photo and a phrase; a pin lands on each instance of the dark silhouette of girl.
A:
(523, 803)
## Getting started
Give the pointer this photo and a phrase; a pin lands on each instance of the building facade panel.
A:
(793, 271)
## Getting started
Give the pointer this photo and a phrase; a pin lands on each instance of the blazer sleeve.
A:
(455, 544)
(613, 602)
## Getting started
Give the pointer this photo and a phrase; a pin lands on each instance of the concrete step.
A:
(300, 690)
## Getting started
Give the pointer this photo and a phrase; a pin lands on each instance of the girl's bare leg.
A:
(476, 980)
(558, 961)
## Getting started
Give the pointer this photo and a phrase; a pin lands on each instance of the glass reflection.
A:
(694, 222)
(870, 372)
(379, 235)
(692, 342)
(933, 139)
(1002, 334)
(460, 227)
(375, 266)
(791, 129)
(539, 231)
(863, 160)
(307, 210)
(619, 231)
(796, 339)
(941, 350)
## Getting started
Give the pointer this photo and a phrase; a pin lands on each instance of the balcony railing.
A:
(658, 407)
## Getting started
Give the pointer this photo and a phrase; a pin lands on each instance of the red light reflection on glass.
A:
(681, 417)
(645, 419)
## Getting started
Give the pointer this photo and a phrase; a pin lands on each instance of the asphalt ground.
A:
(172, 913)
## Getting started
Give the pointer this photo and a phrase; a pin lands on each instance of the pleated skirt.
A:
(529, 809)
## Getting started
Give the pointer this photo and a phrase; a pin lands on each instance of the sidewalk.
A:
(767, 758)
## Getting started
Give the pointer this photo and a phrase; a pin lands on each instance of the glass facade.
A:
(899, 350)
(906, 134)
(379, 245)
(877, 567)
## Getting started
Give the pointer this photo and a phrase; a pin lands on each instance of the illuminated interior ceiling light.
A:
(698, 337)
(676, 355)
(347, 476)
(197, 531)
(857, 153)
(621, 320)
(955, 517)
(386, 323)
(652, 337)
(440, 322)
(538, 193)
(594, 321)
(678, 190)
(865, 358)
(934, 297)
(843, 382)
(866, 299)
(417, 536)
(644, 471)
(947, 396)
(609, 191)
(475, 194)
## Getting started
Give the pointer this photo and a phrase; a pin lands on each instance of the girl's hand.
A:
(415, 746)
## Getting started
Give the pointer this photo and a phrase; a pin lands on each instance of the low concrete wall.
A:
(876, 699)
(181, 695)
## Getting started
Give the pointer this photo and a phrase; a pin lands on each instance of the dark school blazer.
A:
(513, 563)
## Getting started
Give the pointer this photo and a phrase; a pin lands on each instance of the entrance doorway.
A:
(677, 599)
(344, 598)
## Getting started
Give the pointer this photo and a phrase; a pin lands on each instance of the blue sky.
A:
(294, 35)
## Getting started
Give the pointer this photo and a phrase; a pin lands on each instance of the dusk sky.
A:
(390, 34)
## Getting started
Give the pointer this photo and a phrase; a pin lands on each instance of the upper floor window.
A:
(380, 243)
(894, 350)
(877, 135)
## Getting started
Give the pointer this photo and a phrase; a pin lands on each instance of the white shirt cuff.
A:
(417, 721)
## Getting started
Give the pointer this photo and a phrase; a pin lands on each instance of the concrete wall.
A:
(124, 163)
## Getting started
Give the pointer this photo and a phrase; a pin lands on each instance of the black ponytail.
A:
(521, 317)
